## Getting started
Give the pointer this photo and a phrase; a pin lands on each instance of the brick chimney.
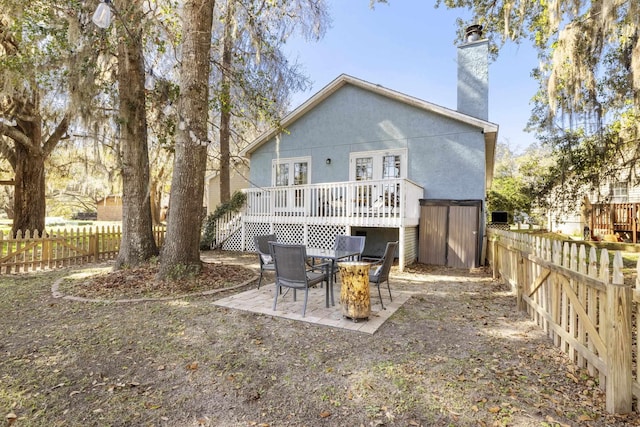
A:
(473, 74)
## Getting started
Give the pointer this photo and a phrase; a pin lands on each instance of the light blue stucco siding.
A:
(445, 156)
(450, 166)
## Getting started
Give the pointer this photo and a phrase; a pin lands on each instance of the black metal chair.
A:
(292, 271)
(348, 243)
(380, 273)
(264, 253)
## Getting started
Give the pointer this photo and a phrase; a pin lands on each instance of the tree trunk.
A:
(29, 197)
(138, 244)
(181, 251)
(225, 104)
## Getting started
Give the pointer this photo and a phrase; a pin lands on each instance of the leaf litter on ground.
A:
(457, 353)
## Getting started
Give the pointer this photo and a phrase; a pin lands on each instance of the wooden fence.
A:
(62, 247)
(580, 302)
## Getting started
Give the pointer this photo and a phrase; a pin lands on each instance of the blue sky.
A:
(408, 46)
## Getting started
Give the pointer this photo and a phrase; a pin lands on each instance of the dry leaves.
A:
(141, 282)
(11, 418)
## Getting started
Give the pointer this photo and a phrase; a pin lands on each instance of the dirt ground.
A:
(456, 354)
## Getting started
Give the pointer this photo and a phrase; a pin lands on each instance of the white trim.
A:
(290, 160)
(378, 154)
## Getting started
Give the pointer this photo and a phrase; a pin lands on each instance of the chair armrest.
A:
(321, 266)
(372, 260)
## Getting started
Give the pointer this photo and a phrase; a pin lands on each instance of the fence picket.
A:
(592, 308)
(582, 297)
(573, 317)
(637, 312)
(619, 386)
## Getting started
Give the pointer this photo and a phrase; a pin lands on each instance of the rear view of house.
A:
(361, 159)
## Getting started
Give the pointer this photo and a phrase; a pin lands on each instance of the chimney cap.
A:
(473, 33)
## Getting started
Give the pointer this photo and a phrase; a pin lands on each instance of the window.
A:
(282, 174)
(620, 192)
(378, 166)
(364, 168)
(290, 173)
(390, 167)
(374, 165)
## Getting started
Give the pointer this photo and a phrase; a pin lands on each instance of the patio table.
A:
(333, 256)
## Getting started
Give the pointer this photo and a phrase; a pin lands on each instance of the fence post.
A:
(45, 260)
(93, 245)
(520, 278)
(495, 271)
(618, 331)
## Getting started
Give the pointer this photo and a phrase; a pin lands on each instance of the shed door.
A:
(449, 235)
(433, 235)
(463, 236)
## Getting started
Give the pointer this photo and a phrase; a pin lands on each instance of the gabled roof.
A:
(489, 129)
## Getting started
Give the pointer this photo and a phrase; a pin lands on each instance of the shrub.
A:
(207, 241)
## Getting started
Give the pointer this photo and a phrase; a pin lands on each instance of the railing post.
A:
(618, 331)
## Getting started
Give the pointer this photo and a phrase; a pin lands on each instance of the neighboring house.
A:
(238, 181)
(610, 213)
(361, 159)
(110, 208)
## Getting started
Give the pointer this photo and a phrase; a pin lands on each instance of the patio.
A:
(261, 301)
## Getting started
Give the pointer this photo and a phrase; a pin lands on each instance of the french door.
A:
(289, 173)
(377, 166)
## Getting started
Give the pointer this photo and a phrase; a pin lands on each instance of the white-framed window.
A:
(292, 171)
(364, 168)
(620, 192)
(380, 164)
(377, 166)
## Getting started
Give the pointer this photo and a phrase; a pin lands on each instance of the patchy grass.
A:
(457, 353)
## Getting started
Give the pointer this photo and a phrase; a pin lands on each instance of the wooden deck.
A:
(314, 214)
(620, 219)
(381, 203)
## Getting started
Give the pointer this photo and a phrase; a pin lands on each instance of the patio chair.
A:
(264, 253)
(379, 272)
(348, 243)
(292, 271)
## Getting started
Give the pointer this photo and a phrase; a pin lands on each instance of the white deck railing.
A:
(389, 202)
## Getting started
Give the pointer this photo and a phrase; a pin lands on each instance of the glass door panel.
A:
(282, 180)
(391, 170)
(377, 166)
(300, 177)
(289, 173)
